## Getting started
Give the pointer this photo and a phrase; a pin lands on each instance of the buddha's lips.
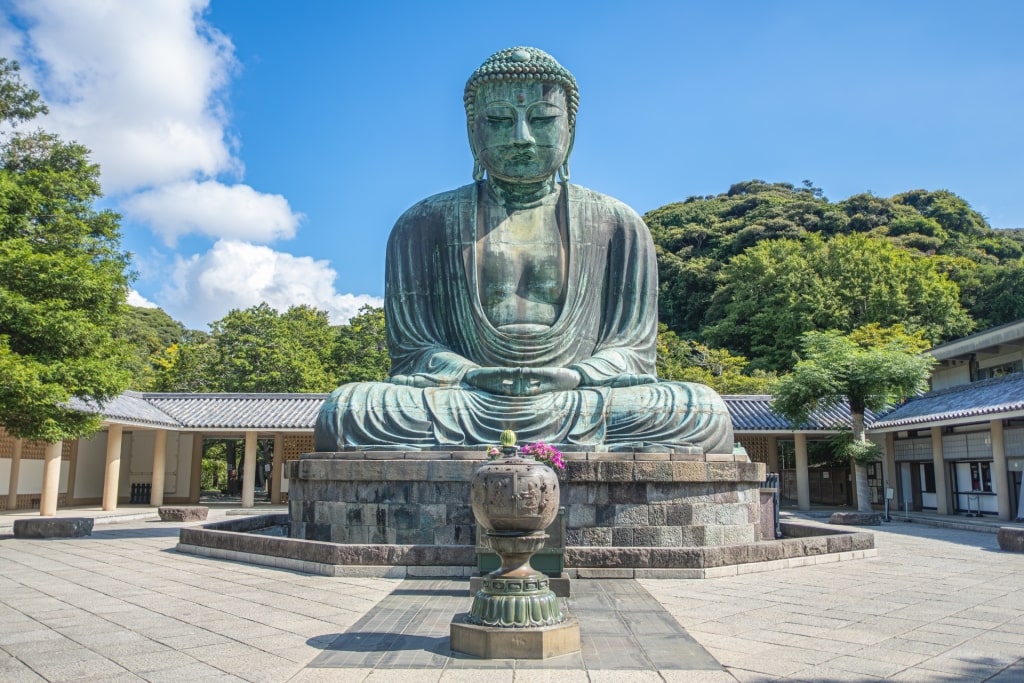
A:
(521, 155)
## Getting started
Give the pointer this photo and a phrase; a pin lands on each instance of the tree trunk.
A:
(859, 469)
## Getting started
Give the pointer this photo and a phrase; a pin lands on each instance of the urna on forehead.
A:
(523, 64)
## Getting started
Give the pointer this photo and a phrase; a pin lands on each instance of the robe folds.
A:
(437, 330)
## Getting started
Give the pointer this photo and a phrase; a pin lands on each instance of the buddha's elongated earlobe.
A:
(563, 170)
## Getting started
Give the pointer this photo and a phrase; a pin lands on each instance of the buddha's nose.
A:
(522, 134)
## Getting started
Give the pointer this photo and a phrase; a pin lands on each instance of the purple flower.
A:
(546, 454)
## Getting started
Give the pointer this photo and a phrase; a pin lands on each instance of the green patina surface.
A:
(522, 301)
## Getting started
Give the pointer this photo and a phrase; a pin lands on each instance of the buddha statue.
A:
(522, 301)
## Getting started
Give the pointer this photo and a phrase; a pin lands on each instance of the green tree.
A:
(149, 331)
(254, 350)
(685, 360)
(188, 366)
(63, 278)
(869, 369)
(260, 350)
(776, 291)
(360, 351)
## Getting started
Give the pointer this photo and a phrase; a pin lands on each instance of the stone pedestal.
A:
(612, 500)
(492, 642)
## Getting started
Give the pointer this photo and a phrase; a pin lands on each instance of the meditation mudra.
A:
(521, 301)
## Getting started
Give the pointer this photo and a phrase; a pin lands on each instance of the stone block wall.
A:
(665, 503)
(611, 500)
(403, 502)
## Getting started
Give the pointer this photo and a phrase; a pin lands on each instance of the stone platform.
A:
(612, 500)
(53, 527)
(183, 513)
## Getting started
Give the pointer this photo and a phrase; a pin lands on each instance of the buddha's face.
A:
(520, 131)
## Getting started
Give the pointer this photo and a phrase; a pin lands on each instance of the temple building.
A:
(956, 450)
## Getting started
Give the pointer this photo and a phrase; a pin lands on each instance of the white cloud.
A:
(211, 208)
(136, 299)
(239, 275)
(139, 83)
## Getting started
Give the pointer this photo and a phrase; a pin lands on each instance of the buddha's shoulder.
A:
(600, 201)
(439, 204)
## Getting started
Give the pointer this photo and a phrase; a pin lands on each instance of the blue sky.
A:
(262, 150)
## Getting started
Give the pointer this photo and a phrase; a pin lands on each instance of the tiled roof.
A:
(298, 411)
(240, 411)
(753, 413)
(988, 397)
(130, 407)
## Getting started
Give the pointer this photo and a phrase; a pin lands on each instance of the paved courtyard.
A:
(935, 605)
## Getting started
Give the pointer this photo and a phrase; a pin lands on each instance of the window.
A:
(927, 477)
(999, 370)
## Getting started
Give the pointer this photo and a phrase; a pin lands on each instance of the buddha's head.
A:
(521, 113)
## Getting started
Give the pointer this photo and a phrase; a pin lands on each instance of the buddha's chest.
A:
(521, 261)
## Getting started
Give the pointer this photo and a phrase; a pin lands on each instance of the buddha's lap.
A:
(380, 412)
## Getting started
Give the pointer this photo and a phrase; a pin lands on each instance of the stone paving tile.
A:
(145, 663)
(403, 676)
(926, 584)
(76, 671)
(470, 676)
(885, 653)
(745, 676)
(926, 676)
(1011, 674)
(189, 674)
(560, 676)
(825, 674)
(331, 676)
(126, 677)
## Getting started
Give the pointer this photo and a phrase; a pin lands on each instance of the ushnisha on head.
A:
(521, 116)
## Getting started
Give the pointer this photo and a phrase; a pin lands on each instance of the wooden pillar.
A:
(195, 484)
(156, 497)
(803, 487)
(249, 471)
(773, 453)
(51, 479)
(942, 490)
(12, 488)
(112, 477)
(277, 470)
(889, 457)
(1000, 475)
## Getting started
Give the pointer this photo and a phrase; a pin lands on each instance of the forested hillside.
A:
(743, 275)
(752, 269)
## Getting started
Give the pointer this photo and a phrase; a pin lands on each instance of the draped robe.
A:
(437, 330)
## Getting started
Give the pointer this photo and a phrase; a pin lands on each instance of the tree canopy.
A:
(777, 290)
(360, 351)
(253, 350)
(870, 368)
(706, 248)
(63, 278)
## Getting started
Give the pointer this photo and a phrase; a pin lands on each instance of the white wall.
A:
(136, 463)
(943, 378)
(89, 468)
(30, 476)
